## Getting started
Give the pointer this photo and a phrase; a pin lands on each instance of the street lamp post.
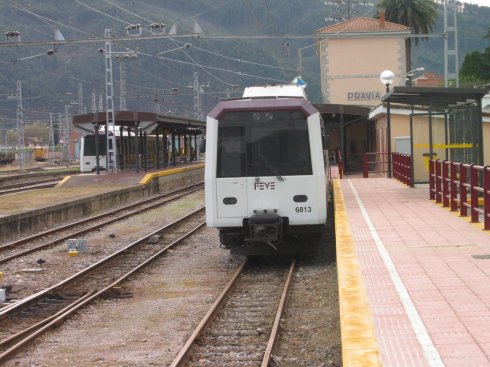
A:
(300, 57)
(387, 77)
(409, 75)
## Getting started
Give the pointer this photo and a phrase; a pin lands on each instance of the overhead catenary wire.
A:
(194, 62)
(100, 12)
(188, 56)
(239, 60)
(19, 7)
(212, 67)
(199, 48)
(173, 39)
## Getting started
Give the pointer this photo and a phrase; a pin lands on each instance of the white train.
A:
(265, 176)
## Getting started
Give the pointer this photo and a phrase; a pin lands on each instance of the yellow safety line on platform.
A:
(66, 178)
(359, 345)
(150, 176)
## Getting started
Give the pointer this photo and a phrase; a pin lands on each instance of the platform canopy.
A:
(336, 113)
(451, 129)
(146, 121)
(434, 97)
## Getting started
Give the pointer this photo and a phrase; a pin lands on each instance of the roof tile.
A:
(363, 24)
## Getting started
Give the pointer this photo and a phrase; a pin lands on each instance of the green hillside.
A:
(51, 81)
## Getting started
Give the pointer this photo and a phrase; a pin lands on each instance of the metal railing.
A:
(402, 167)
(378, 165)
(340, 163)
(452, 182)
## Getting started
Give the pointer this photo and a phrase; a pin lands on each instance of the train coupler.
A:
(265, 228)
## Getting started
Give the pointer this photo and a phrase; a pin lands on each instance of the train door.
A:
(231, 183)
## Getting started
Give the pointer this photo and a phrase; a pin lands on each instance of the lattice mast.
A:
(342, 10)
(20, 126)
(197, 96)
(451, 62)
(111, 156)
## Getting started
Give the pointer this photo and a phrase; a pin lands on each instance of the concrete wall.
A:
(38, 220)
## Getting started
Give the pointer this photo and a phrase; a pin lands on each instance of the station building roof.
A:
(363, 25)
(148, 121)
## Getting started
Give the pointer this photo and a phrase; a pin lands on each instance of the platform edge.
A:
(359, 344)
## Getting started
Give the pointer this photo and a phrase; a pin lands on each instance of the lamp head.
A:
(387, 77)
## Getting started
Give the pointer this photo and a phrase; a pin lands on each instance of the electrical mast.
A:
(341, 10)
(198, 89)
(111, 148)
(122, 57)
(20, 126)
(197, 97)
(451, 62)
(51, 135)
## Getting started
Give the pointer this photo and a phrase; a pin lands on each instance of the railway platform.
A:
(80, 195)
(414, 278)
(81, 186)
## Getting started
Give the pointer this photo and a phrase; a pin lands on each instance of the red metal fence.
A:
(452, 182)
(377, 162)
(402, 167)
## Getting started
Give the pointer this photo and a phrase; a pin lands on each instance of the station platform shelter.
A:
(414, 278)
(145, 140)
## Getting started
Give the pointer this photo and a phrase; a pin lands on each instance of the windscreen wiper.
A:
(272, 168)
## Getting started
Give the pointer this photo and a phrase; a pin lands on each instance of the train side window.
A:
(231, 151)
(89, 145)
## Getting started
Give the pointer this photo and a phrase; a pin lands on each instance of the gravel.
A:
(170, 298)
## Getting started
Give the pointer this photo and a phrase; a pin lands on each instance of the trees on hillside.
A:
(475, 69)
(419, 15)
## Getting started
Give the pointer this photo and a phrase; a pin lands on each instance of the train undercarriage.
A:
(270, 234)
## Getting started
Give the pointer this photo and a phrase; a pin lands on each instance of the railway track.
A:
(27, 186)
(33, 180)
(242, 325)
(28, 318)
(52, 237)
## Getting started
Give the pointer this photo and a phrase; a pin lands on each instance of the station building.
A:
(356, 105)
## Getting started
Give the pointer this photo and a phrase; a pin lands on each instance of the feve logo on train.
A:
(264, 185)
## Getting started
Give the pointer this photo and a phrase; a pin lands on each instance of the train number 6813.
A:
(303, 209)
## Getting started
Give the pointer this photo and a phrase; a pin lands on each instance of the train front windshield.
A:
(266, 143)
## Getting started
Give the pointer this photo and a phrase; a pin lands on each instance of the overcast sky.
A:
(479, 2)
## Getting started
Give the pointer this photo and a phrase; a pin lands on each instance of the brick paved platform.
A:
(425, 273)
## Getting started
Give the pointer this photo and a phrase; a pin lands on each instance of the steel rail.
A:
(4, 312)
(29, 187)
(277, 320)
(183, 355)
(43, 322)
(40, 180)
(208, 318)
(90, 219)
(77, 305)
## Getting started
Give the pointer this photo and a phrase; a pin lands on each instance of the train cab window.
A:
(279, 148)
(267, 143)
